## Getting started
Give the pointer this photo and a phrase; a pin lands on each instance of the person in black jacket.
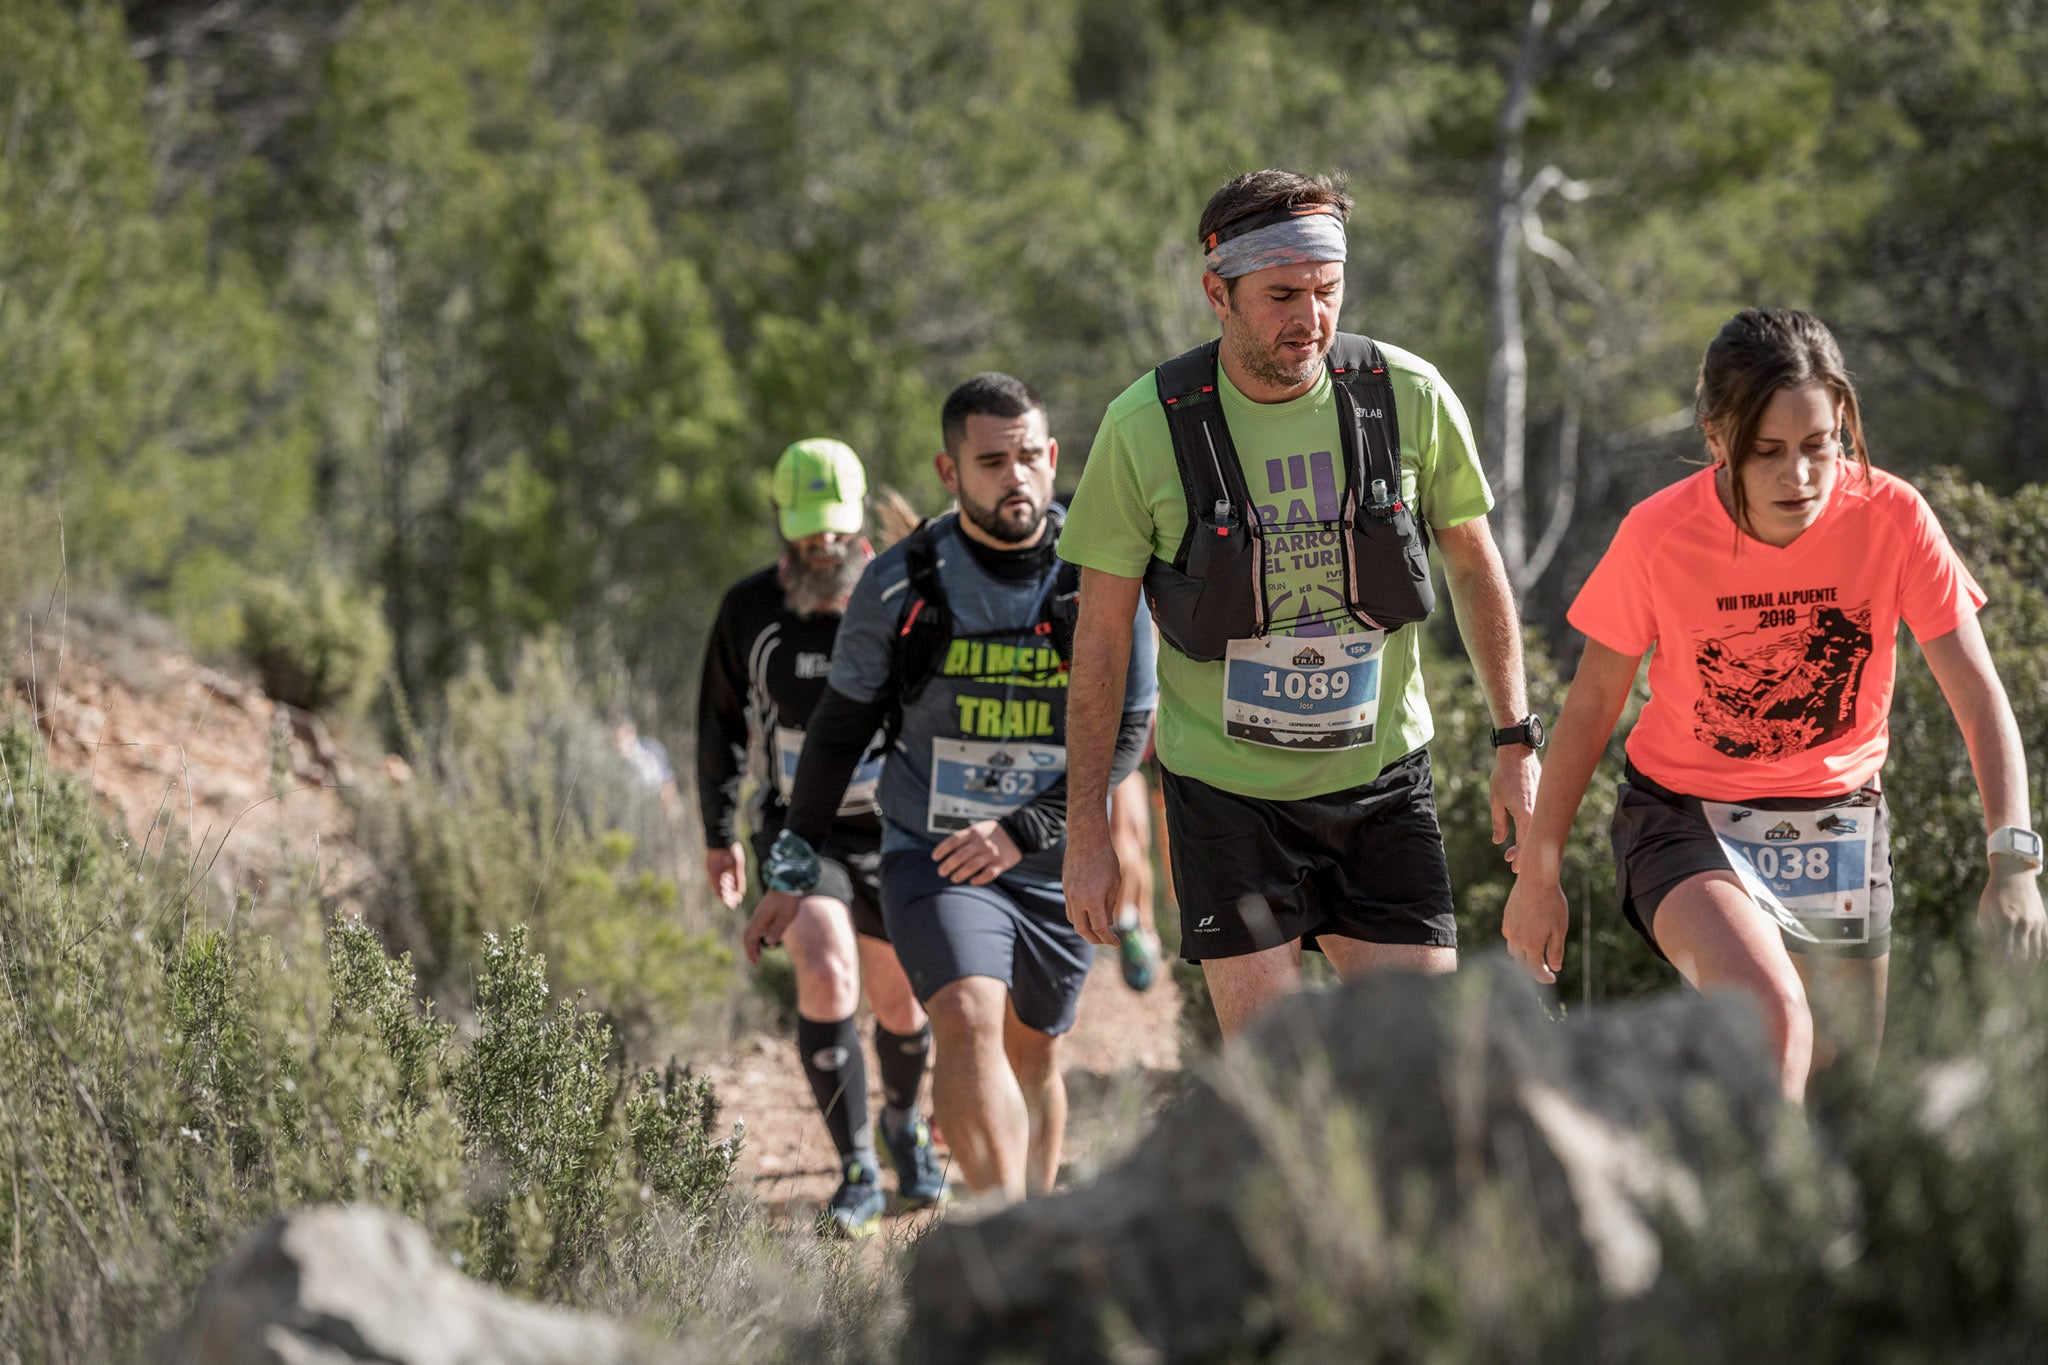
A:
(764, 672)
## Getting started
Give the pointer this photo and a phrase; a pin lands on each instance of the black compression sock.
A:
(902, 1058)
(839, 1081)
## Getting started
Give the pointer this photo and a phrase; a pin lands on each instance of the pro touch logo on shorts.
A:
(829, 1058)
(1208, 925)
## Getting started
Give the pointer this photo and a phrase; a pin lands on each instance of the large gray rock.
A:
(1445, 1092)
(340, 1285)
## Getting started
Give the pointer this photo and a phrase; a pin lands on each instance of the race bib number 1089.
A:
(1304, 691)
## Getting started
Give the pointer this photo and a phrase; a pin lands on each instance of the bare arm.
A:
(2010, 906)
(1492, 631)
(1095, 703)
(1536, 918)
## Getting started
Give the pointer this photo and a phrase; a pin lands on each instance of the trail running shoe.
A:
(920, 1183)
(856, 1207)
(1136, 951)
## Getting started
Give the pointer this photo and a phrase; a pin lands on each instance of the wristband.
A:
(1528, 730)
(2016, 842)
(791, 866)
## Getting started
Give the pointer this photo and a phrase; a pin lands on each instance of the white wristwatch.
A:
(2017, 842)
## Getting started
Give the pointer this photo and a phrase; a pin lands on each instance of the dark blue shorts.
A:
(1017, 933)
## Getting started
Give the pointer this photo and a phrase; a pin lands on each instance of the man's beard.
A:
(1258, 360)
(819, 584)
(998, 525)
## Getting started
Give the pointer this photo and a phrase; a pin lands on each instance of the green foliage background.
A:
(462, 337)
(497, 314)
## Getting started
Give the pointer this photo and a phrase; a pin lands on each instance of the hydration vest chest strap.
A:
(1214, 589)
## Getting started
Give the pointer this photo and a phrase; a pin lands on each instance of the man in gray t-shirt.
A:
(955, 634)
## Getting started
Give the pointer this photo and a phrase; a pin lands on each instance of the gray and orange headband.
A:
(1306, 233)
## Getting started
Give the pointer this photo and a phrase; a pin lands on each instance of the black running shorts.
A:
(1366, 862)
(1661, 838)
(1014, 932)
(850, 872)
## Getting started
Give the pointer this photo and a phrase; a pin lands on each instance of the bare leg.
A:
(974, 1092)
(1354, 957)
(1130, 830)
(1034, 1059)
(1848, 996)
(895, 1004)
(1716, 936)
(821, 948)
(1239, 987)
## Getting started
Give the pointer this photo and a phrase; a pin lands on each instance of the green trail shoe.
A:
(920, 1183)
(1137, 952)
(855, 1210)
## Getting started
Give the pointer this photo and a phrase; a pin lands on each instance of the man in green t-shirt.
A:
(1298, 795)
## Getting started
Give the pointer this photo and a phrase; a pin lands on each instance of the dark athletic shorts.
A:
(1365, 863)
(1016, 933)
(850, 872)
(1661, 837)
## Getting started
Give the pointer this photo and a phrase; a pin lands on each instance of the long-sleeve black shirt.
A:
(764, 674)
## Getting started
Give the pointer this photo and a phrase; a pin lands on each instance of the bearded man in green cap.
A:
(764, 673)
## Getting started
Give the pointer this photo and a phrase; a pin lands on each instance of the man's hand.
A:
(1093, 880)
(1513, 793)
(770, 921)
(726, 869)
(2009, 912)
(1534, 923)
(978, 854)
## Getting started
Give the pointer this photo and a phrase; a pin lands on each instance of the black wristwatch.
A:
(1528, 730)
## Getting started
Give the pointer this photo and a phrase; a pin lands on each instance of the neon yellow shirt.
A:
(1130, 507)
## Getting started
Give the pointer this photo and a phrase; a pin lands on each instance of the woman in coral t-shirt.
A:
(1750, 836)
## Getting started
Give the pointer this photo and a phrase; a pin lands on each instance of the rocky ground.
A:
(199, 766)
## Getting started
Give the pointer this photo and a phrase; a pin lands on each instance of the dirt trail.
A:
(1124, 1052)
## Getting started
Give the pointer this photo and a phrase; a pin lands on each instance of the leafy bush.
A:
(1937, 822)
(168, 1085)
(317, 646)
(520, 812)
(1605, 958)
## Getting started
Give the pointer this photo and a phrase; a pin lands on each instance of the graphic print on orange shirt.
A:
(1784, 687)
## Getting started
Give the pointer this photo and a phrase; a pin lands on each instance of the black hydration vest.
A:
(924, 630)
(1214, 591)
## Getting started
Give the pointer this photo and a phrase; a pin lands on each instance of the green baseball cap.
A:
(819, 484)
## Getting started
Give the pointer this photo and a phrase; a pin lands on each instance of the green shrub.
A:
(521, 813)
(535, 1097)
(1937, 821)
(1605, 958)
(318, 646)
(166, 1085)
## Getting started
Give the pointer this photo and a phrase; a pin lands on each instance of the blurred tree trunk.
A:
(1515, 197)
(381, 208)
